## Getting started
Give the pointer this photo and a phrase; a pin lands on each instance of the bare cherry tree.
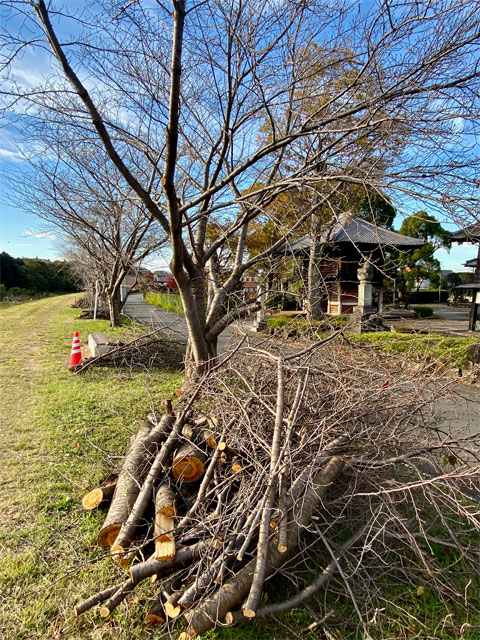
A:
(180, 98)
(106, 231)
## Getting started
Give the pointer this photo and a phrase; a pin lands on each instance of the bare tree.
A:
(178, 98)
(106, 229)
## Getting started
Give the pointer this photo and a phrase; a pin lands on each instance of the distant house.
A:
(161, 276)
(137, 277)
(353, 258)
(250, 288)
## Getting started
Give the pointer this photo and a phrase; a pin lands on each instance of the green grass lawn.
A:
(59, 434)
(447, 352)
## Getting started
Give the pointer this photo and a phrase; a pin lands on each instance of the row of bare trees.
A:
(207, 113)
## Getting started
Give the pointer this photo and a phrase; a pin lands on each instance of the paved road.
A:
(452, 321)
(174, 323)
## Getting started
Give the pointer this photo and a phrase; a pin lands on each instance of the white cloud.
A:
(458, 124)
(11, 155)
(42, 234)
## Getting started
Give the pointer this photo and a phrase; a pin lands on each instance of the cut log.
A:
(184, 557)
(209, 438)
(134, 470)
(188, 463)
(236, 465)
(156, 616)
(157, 467)
(98, 496)
(165, 511)
(98, 598)
(164, 538)
(172, 609)
(166, 501)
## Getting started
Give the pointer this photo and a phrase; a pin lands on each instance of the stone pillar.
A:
(364, 308)
(260, 322)
(380, 299)
(365, 275)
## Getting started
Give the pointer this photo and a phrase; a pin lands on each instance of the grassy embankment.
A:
(170, 301)
(59, 434)
(446, 351)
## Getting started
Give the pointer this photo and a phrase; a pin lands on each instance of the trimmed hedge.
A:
(423, 312)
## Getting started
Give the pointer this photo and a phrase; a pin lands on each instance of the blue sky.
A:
(24, 235)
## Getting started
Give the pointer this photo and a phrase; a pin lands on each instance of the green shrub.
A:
(423, 312)
(170, 301)
(3, 291)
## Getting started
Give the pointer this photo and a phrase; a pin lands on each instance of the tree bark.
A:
(134, 470)
(315, 280)
(114, 307)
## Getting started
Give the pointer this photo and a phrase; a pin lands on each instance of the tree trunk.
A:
(114, 307)
(315, 281)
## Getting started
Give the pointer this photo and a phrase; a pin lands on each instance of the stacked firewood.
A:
(215, 497)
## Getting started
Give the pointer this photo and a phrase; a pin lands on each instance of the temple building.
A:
(351, 268)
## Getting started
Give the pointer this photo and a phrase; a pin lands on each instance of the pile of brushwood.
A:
(154, 349)
(324, 467)
(86, 304)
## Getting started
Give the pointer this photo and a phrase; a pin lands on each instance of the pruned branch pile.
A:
(148, 350)
(324, 466)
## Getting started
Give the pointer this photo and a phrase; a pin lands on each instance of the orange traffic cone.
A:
(76, 354)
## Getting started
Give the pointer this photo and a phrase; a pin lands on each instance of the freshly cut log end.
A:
(282, 548)
(108, 535)
(95, 497)
(164, 550)
(154, 619)
(188, 464)
(233, 617)
(236, 465)
(187, 635)
(222, 446)
(249, 613)
(104, 612)
(126, 560)
(117, 552)
(209, 438)
(172, 610)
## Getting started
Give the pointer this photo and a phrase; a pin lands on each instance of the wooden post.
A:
(474, 308)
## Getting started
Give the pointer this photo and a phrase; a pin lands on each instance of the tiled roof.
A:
(353, 230)
(469, 234)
